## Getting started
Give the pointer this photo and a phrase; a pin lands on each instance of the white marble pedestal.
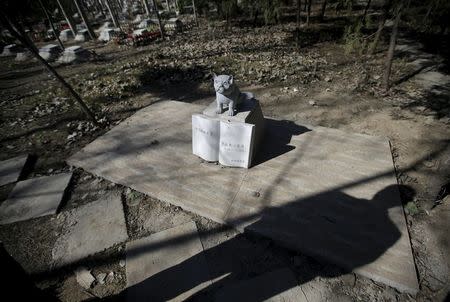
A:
(230, 140)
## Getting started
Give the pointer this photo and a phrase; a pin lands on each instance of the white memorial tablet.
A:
(205, 137)
(236, 143)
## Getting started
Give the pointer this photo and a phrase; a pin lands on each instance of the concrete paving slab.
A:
(277, 286)
(333, 197)
(321, 191)
(90, 229)
(10, 169)
(34, 197)
(166, 266)
(153, 155)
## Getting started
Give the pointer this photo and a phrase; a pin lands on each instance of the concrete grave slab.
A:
(280, 285)
(153, 155)
(322, 191)
(90, 229)
(166, 266)
(333, 197)
(10, 169)
(34, 197)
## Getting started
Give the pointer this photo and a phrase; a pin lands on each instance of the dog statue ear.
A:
(230, 80)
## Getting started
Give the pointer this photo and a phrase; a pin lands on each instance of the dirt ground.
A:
(316, 84)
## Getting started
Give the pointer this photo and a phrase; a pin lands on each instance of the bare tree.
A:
(147, 8)
(49, 18)
(195, 12)
(119, 4)
(113, 15)
(322, 10)
(99, 7)
(366, 9)
(17, 31)
(68, 18)
(297, 29)
(161, 29)
(308, 13)
(390, 53)
(381, 23)
(85, 19)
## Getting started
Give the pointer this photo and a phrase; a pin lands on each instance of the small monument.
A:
(10, 50)
(106, 34)
(74, 54)
(230, 137)
(65, 35)
(23, 55)
(82, 36)
(50, 52)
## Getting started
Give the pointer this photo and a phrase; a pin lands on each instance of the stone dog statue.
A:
(227, 93)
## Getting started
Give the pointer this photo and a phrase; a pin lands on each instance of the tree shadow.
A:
(57, 122)
(175, 83)
(309, 36)
(332, 226)
(434, 99)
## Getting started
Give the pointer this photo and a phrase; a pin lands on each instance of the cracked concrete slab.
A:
(166, 266)
(10, 169)
(90, 229)
(34, 197)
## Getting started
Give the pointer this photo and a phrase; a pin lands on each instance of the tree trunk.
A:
(49, 18)
(309, 12)
(390, 53)
(119, 5)
(297, 29)
(322, 10)
(376, 40)
(366, 9)
(195, 12)
(99, 7)
(85, 19)
(430, 8)
(16, 30)
(88, 9)
(68, 18)
(147, 8)
(161, 29)
(113, 15)
(255, 18)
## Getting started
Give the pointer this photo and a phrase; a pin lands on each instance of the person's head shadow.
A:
(332, 226)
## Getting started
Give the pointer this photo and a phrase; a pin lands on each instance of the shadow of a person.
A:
(332, 226)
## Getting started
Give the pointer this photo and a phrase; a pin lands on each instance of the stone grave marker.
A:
(230, 140)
